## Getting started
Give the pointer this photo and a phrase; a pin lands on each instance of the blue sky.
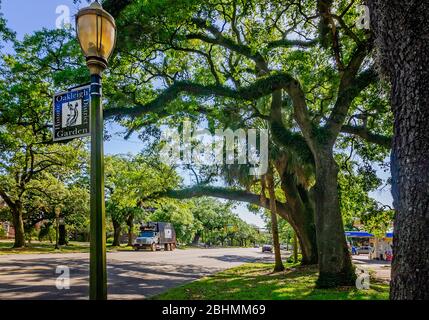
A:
(27, 16)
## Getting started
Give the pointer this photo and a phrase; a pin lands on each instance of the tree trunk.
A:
(295, 248)
(302, 214)
(335, 266)
(116, 233)
(269, 183)
(130, 224)
(18, 225)
(62, 240)
(402, 29)
(196, 239)
(276, 244)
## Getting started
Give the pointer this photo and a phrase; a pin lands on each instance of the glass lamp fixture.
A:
(96, 32)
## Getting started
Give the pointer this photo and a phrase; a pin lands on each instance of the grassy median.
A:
(256, 281)
(36, 247)
(6, 247)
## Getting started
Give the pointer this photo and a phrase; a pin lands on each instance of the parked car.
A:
(256, 245)
(364, 249)
(156, 235)
(267, 247)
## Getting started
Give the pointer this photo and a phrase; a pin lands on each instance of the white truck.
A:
(155, 236)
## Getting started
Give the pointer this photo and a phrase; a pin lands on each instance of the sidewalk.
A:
(378, 269)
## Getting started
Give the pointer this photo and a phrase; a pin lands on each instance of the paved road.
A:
(131, 275)
(381, 269)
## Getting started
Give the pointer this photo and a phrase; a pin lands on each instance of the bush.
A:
(47, 232)
(290, 259)
(2, 232)
(31, 235)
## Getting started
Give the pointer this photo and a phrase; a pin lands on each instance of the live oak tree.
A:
(25, 162)
(54, 190)
(220, 225)
(205, 220)
(214, 58)
(136, 186)
(401, 32)
(179, 214)
(301, 214)
(122, 202)
(74, 211)
(220, 60)
(133, 184)
(252, 196)
(27, 153)
(213, 221)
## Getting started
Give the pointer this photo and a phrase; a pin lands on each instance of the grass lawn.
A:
(47, 247)
(256, 281)
(43, 247)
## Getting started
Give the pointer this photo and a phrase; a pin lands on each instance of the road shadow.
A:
(36, 279)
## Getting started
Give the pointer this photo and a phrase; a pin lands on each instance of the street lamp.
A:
(96, 32)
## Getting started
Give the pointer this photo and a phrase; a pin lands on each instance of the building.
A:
(9, 231)
(376, 248)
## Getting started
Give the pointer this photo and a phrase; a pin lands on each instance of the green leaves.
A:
(5, 33)
(205, 219)
(134, 184)
(355, 182)
(36, 174)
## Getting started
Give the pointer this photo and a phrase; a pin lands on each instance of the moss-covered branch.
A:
(364, 133)
(283, 136)
(283, 209)
(324, 11)
(260, 88)
(287, 43)
(351, 86)
(226, 42)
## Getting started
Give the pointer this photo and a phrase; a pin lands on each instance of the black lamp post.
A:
(96, 31)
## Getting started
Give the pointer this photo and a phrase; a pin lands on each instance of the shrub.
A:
(2, 232)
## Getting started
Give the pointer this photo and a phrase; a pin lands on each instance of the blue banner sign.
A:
(72, 114)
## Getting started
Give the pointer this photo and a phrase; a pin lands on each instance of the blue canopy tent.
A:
(358, 234)
(364, 234)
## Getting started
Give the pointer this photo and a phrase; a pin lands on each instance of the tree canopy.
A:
(300, 69)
